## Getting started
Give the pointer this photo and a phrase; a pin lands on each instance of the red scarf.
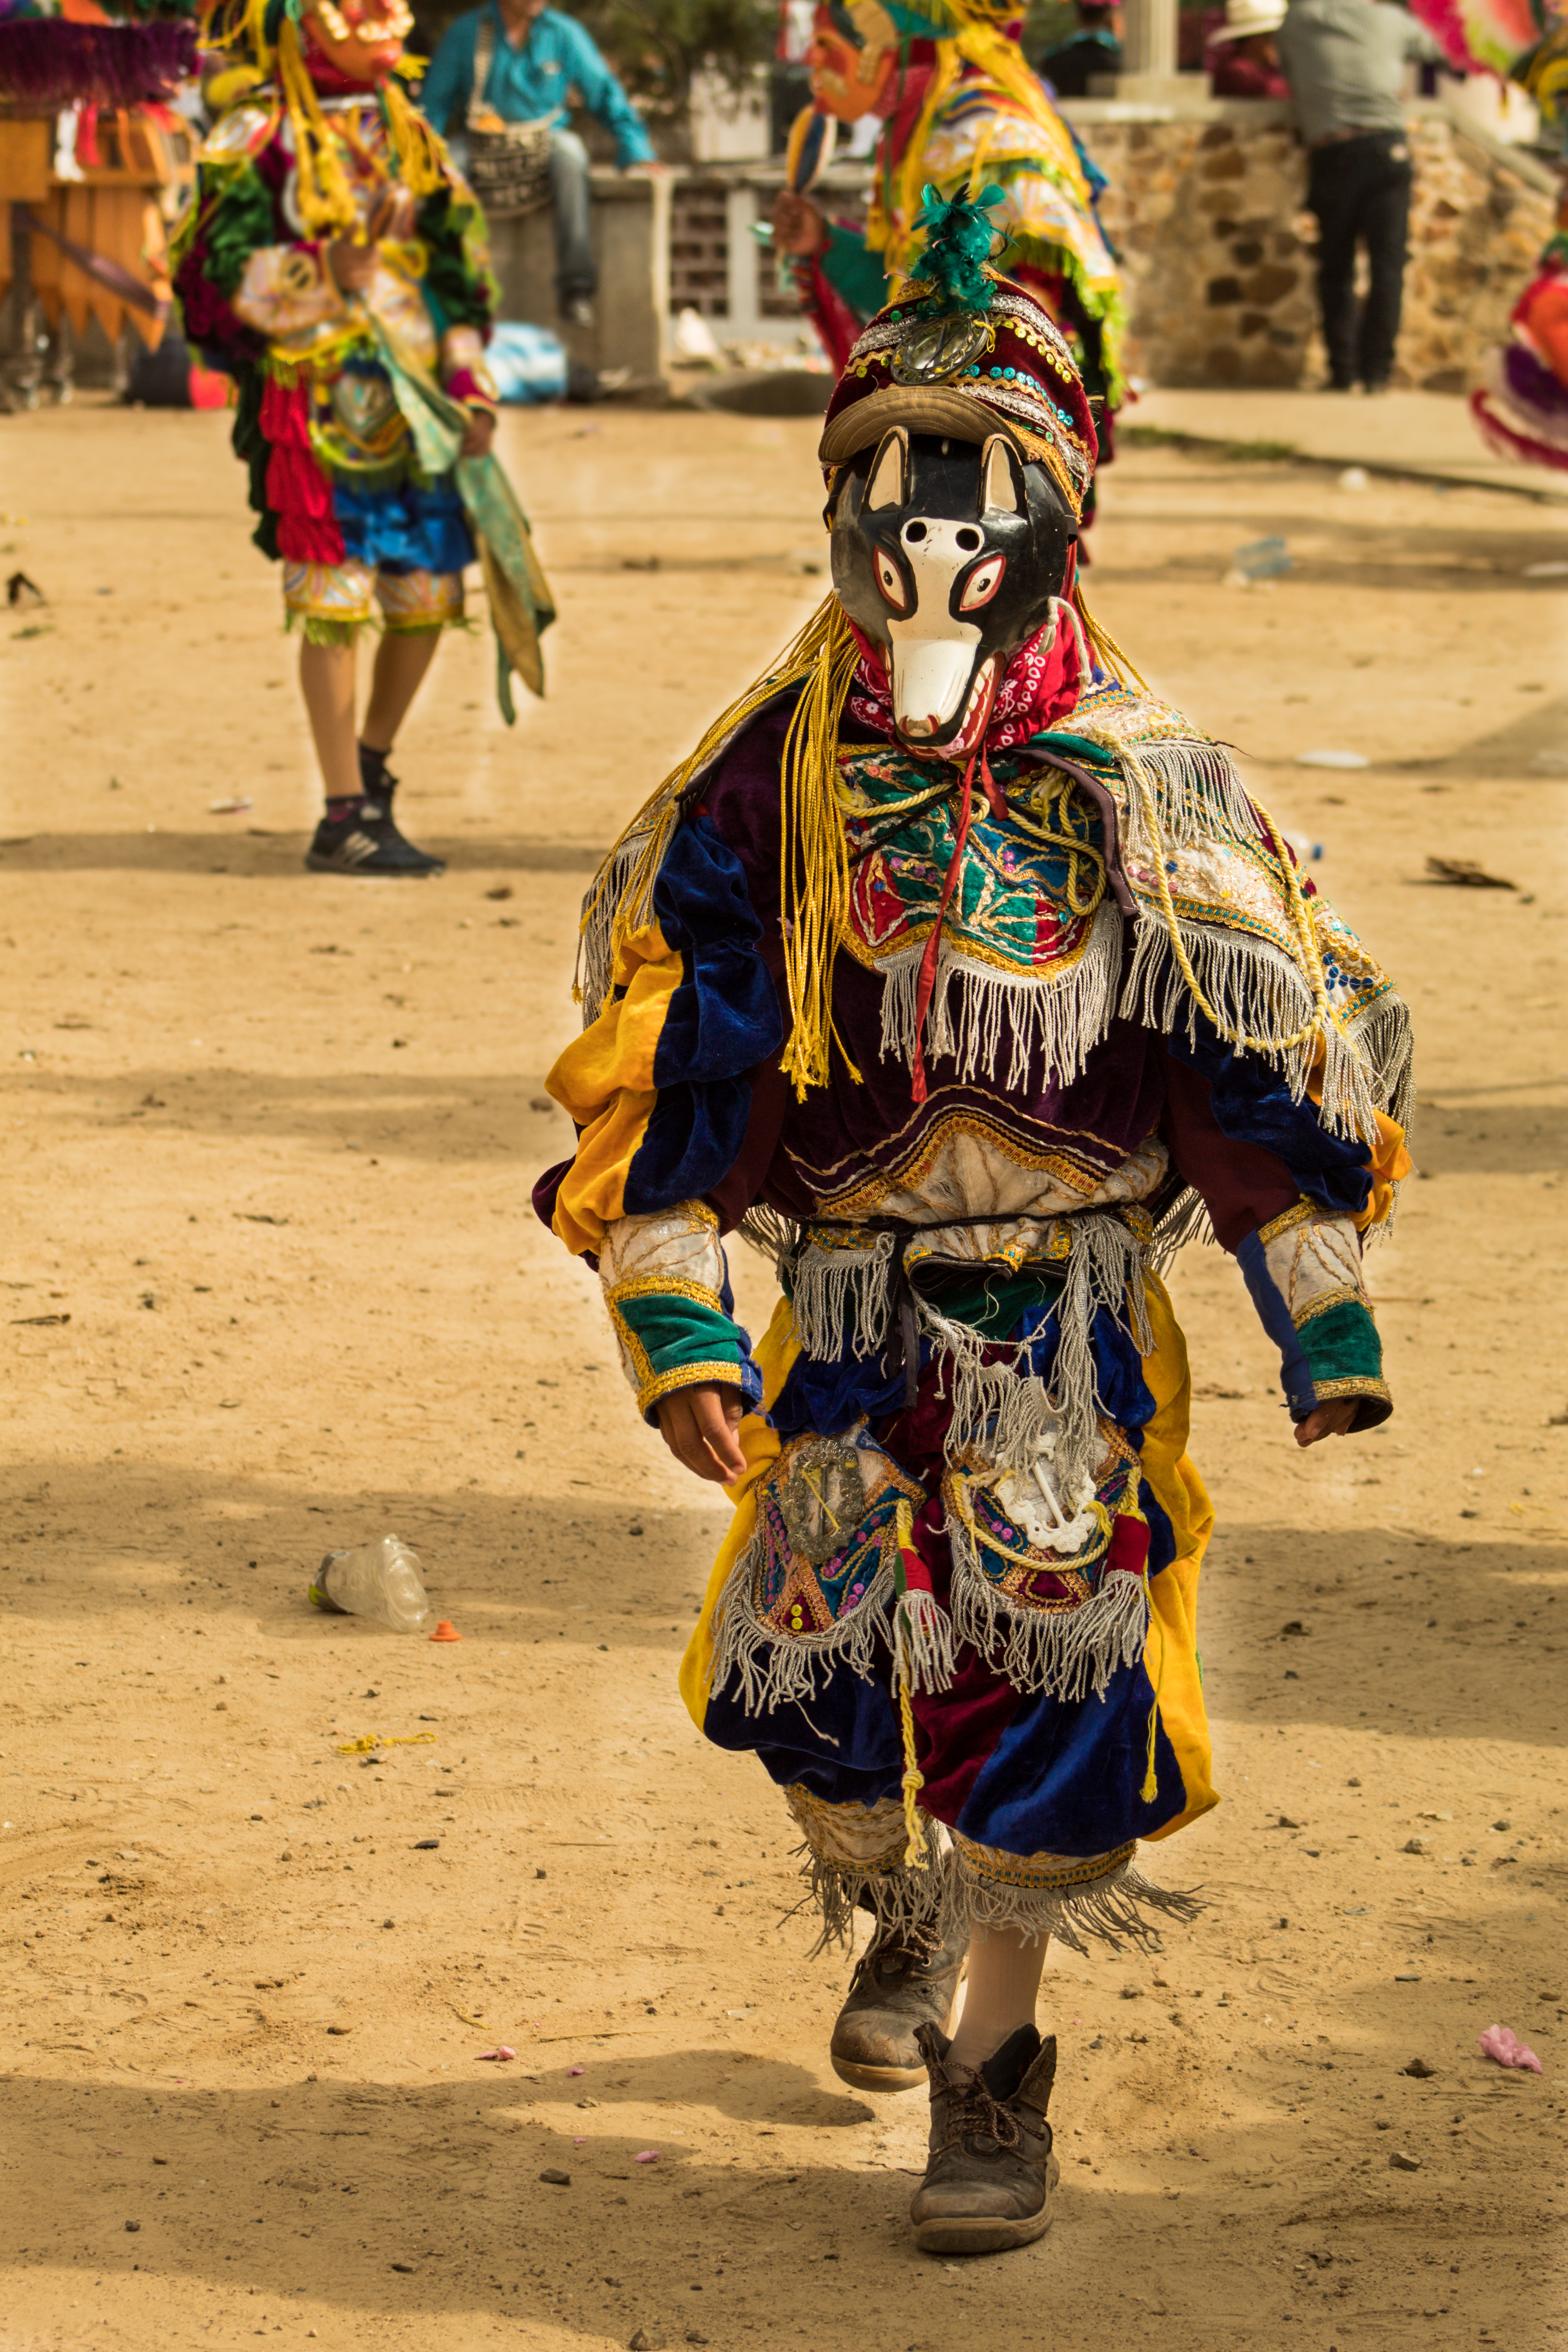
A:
(1041, 685)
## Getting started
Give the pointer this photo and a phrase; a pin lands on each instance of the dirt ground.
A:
(268, 1152)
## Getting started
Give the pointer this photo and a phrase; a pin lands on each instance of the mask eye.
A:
(982, 583)
(891, 581)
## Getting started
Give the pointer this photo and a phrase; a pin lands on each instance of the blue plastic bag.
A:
(528, 363)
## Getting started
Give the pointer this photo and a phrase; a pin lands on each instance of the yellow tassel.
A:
(815, 858)
(1151, 1789)
(914, 1783)
(816, 861)
(325, 198)
(1107, 652)
(420, 150)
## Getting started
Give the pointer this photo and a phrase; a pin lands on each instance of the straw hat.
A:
(1246, 18)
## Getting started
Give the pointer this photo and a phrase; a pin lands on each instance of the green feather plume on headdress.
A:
(960, 237)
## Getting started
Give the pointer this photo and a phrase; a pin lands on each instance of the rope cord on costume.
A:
(1306, 934)
(913, 1780)
(1078, 852)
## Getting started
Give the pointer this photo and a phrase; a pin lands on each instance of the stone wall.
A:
(1207, 211)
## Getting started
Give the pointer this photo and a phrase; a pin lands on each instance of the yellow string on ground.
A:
(379, 1740)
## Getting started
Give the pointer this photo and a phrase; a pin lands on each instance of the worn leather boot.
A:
(991, 2171)
(902, 1981)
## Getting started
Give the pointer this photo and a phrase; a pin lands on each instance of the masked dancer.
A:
(964, 974)
(333, 258)
(959, 107)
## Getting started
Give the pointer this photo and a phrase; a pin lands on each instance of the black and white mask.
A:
(949, 554)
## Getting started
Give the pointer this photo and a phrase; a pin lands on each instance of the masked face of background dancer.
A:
(848, 79)
(361, 39)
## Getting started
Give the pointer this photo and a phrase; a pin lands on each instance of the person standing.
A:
(1345, 62)
(521, 60)
(1092, 48)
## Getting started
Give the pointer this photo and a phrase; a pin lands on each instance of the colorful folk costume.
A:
(961, 109)
(1521, 404)
(333, 263)
(961, 975)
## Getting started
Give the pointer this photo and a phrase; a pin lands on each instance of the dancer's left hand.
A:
(1330, 1420)
(479, 433)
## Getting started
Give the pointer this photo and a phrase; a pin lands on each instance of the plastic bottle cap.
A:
(445, 1631)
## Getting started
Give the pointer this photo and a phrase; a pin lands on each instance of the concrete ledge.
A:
(1420, 435)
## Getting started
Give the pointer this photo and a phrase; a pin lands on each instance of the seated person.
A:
(1243, 61)
(534, 58)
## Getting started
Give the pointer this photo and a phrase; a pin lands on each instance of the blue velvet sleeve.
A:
(724, 1019)
(1251, 1104)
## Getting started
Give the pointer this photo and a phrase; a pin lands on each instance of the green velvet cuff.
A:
(1344, 1357)
(676, 1339)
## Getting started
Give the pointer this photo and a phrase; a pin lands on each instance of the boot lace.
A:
(973, 2113)
(892, 1957)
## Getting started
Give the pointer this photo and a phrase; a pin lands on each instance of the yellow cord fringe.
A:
(816, 856)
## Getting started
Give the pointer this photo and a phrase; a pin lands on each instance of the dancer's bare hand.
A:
(798, 226)
(478, 433)
(1332, 1420)
(699, 1425)
(353, 265)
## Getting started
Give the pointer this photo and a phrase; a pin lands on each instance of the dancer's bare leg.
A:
(1000, 1993)
(327, 684)
(402, 659)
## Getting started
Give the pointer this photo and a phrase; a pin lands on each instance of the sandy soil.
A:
(267, 1158)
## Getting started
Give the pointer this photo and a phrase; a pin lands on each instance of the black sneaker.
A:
(366, 841)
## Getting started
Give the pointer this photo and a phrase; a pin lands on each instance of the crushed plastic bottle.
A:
(378, 1579)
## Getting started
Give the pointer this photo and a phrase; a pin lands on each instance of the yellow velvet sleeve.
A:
(604, 1081)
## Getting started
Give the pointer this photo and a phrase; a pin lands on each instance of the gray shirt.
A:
(1345, 60)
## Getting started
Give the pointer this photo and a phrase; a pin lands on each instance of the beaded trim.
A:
(1030, 1873)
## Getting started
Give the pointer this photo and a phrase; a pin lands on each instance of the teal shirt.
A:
(532, 83)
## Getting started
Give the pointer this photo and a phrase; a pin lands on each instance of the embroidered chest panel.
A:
(1029, 885)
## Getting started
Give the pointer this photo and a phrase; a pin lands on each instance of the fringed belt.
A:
(856, 1290)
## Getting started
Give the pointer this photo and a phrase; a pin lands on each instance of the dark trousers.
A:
(1360, 190)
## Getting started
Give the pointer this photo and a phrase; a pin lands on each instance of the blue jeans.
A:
(575, 275)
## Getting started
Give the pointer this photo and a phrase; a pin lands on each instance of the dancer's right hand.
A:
(353, 266)
(699, 1425)
(798, 226)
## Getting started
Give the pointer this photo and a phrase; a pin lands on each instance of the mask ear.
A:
(1001, 486)
(890, 471)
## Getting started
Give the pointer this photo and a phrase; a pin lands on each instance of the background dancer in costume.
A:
(1030, 990)
(961, 108)
(331, 248)
(1521, 404)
